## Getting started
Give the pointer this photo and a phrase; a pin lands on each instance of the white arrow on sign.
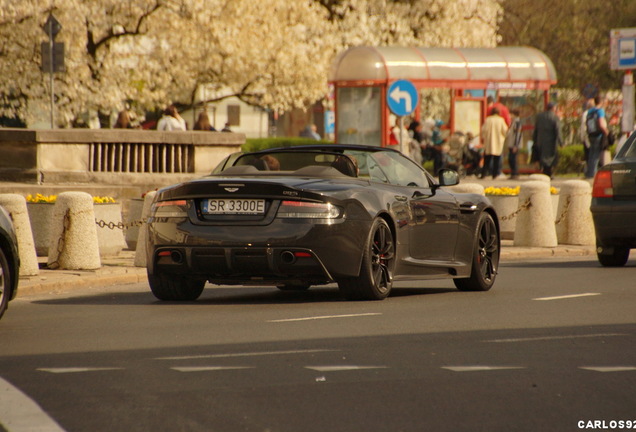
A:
(397, 95)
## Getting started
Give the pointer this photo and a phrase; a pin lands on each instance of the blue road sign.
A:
(402, 98)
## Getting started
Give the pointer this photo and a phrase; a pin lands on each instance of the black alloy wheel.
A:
(175, 288)
(485, 257)
(376, 275)
(5, 283)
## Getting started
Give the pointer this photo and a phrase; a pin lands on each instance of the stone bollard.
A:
(140, 251)
(16, 206)
(535, 224)
(135, 208)
(575, 225)
(539, 177)
(473, 188)
(111, 241)
(73, 236)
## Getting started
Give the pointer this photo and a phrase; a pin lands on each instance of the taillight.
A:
(603, 185)
(174, 208)
(308, 210)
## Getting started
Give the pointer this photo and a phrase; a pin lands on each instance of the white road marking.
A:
(209, 368)
(566, 296)
(248, 354)
(547, 338)
(77, 369)
(609, 368)
(20, 413)
(343, 368)
(323, 317)
(480, 368)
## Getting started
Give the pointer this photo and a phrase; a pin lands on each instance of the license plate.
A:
(233, 206)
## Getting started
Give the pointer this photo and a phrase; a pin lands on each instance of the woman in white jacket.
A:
(171, 120)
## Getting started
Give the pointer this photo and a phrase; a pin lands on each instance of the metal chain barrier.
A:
(119, 225)
(525, 206)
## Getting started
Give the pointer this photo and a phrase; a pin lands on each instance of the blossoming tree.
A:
(271, 53)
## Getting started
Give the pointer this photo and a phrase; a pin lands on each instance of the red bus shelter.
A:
(453, 85)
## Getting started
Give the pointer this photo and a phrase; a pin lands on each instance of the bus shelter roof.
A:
(501, 67)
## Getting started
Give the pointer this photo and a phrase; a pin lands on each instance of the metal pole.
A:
(401, 134)
(52, 68)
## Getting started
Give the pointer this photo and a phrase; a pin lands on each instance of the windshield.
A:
(378, 166)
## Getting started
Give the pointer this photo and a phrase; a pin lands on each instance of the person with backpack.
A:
(596, 125)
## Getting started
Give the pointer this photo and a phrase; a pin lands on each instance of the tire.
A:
(294, 287)
(618, 257)
(5, 283)
(175, 288)
(376, 272)
(485, 260)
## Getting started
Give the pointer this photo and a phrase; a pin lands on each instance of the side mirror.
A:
(448, 177)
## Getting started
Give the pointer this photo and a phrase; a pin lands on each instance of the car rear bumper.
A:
(279, 252)
(614, 222)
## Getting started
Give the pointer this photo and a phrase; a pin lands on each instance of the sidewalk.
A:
(121, 270)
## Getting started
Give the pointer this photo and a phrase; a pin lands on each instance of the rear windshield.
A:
(628, 151)
(379, 166)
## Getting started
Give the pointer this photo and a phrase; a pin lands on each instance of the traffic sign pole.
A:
(402, 98)
(52, 27)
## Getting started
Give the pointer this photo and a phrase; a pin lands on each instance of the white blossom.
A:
(271, 53)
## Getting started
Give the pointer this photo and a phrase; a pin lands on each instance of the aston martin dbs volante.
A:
(294, 217)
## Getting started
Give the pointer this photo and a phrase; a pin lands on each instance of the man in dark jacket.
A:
(547, 136)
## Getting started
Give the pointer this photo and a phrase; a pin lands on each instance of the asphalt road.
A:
(551, 348)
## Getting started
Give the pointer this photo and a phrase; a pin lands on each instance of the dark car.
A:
(9, 261)
(294, 217)
(614, 206)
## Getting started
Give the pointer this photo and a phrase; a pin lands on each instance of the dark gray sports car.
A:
(614, 206)
(294, 217)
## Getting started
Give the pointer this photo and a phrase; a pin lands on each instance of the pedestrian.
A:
(589, 103)
(596, 126)
(226, 128)
(311, 132)
(203, 123)
(171, 120)
(503, 110)
(513, 143)
(123, 120)
(437, 147)
(494, 133)
(547, 137)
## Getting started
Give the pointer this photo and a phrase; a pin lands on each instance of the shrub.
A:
(256, 144)
(570, 159)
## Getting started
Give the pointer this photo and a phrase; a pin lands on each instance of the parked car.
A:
(360, 216)
(9, 261)
(614, 206)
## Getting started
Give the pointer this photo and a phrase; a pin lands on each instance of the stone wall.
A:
(110, 156)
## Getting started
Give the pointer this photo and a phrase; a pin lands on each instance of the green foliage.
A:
(256, 144)
(573, 33)
(571, 159)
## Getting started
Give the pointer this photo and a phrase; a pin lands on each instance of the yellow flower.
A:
(511, 191)
(502, 191)
(103, 200)
(39, 198)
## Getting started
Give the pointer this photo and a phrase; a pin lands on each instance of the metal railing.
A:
(141, 158)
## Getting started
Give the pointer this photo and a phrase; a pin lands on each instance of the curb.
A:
(120, 271)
